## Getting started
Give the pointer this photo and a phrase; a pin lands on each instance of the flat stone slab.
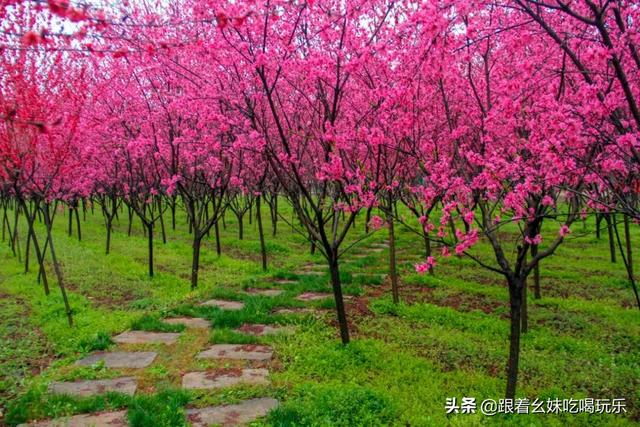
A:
(225, 378)
(312, 267)
(126, 385)
(189, 322)
(359, 255)
(105, 419)
(312, 273)
(223, 304)
(294, 310)
(261, 330)
(120, 359)
(285, 281)
(265, 292)
(144, 337)
(231, 415)
(237, 352)
(313, 296)
(379, 245)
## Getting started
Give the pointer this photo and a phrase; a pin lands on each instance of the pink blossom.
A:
(426, 266)
(564, 230)
(376, 222)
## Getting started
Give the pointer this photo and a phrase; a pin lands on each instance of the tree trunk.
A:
(150, 239)
(173, 214)
(240, 227)
(129, 210)
(70, 211)
(427, 247)
(31, 218)
(274, 215)
(218, 247)
(628, 260)
(536, 274)
(525, 310)
(27, 251)
(78, 224)
(515, 297)
(312, 249)
(160, 214)
(56, 265)
(109, 225)
(627, 238)
(4, 220)
(14, 238)
(263, 249)
(195, 264)
(598, 221)
(337, 293)
(392, 258)
(612, 246)
(367, 218)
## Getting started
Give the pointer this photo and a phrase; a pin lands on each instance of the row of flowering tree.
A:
(476, 116)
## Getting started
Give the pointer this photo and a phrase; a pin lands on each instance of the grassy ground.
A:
(448, 338)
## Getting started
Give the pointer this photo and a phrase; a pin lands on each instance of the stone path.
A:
(126, 385)
(225, 378)
(105, 419)
(224, 305)
(189, 322)
(231, 415)
(237, 352)
(261, 330)
(120, 359)
(144, 337)
(226, 415)
(265, 292)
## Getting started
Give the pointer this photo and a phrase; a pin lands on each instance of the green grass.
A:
(448, 338)
(153, 323)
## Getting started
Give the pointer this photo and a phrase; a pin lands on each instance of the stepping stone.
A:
(311, 273)
(225, 378)
(231, 415)
(105, 419)
(224, 305)
(189, 322)
(237, 352)
(144, 337)
(120, 359)
(261, 330)
(126, 385)
(360, 255)
(265, 292)
(294, 310)
(313, 296)
(379, 245)
(285, 281)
